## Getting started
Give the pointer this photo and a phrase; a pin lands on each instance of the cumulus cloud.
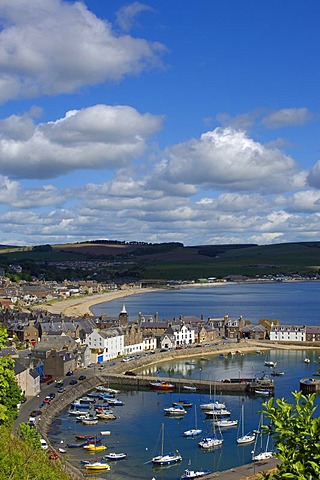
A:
(95, 137)
(36, 58)
(304, 201)
(313, 177)
(127, 14)
(287, 117)
(226, 158)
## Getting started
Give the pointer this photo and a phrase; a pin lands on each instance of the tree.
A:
(296, 433)
(10, 392)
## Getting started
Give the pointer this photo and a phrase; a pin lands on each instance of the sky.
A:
(193, 121)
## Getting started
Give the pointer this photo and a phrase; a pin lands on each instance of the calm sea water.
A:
(137, 428)
(294, 302)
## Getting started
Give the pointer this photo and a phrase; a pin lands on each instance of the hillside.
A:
(121, 261)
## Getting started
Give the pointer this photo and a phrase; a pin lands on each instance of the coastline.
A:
(80, 307)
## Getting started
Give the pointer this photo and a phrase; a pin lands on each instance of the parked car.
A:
(61, 390)
(43, 444)
(69, 373)
(52, 395)
(47, 399)
(34, 413)
(73, 382)
(82, 377)
(131, 374)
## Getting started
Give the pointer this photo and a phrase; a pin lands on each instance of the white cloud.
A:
(313, 177)
(307, 201)
(52, 46)
(126, 15)
(227, 159)
(95, 137)
(287, 117)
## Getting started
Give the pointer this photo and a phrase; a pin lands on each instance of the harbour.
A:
(145, 407)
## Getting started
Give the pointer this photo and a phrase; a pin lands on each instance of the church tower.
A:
(123, 316)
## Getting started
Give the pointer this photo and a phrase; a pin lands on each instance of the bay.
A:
(291, 303)
(137, 427)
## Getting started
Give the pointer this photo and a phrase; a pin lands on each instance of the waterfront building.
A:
(105, 344)
(312, 334)
(288, 333)
(183, 334)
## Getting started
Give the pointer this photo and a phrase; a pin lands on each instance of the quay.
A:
(309, 385)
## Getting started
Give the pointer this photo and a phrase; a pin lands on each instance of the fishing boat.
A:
(193, 432)
(166, 458)
(307, 360)
(264, 453)
(106, 416)
(85, 437)
(176, 410)
(115, 456)
(62, 450)
(105, 432)
(212, 406)
(189, 474)
(97, 466)
(277, 373)
(77, 445)
(244, 438)
(162, 385)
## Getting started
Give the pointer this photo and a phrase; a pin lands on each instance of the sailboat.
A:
(193, 432)
(166, 458)
(264, 454)
(211, 441)
(213, 405)
(244, 438)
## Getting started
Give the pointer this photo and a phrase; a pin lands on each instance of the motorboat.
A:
(225, 423)
(177, 410)
(210, 442)
(162, 385)
(97, 466)
(115, 456)
(191, 388)
(223, 412)
(91, 447)
(269, 363)
(189, 474)
(213, 406)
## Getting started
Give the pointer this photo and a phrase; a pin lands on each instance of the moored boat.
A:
(97, 466)
(166, 458)
(115, 456)
(189, 474)
(177, 410)
(225, 423)
(162, 385)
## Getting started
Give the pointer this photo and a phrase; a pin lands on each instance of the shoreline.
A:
(80, 307)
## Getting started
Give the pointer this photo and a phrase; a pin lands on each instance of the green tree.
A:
(296, 433)
(10, 392)
(29, 435)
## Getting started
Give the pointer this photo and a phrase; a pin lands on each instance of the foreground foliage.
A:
(296, 433)
(25, 460)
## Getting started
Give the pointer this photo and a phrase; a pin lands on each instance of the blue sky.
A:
(172, 120)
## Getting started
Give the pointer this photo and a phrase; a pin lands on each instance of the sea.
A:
(136, 430)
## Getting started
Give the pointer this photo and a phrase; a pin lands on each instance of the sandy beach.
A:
(80, 306)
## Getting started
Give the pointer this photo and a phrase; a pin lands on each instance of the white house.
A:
(183, 334)
(105, 344)
(288, 333)
(150, 342)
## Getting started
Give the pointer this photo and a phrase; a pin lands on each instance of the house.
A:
(253, 332)
(183, 334)
(167, 342)
(105, 344)
(312, 334)
(288, 333)
(28, 379)
(149, 342)
(219, 325)
(58, 364)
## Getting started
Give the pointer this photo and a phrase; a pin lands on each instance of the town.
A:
(47, 346)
